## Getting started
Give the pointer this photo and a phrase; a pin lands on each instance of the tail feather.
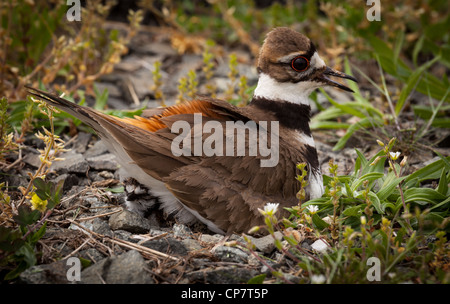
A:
(126, 140)
(84, 114)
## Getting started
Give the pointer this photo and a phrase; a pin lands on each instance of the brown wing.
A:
(228, 190)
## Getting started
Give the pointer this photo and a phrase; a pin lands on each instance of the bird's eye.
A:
(300, 64)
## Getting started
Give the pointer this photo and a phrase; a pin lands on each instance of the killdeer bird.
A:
(222, 191)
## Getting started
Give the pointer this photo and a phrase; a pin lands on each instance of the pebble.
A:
(129, 221)
(319, 246)
(103, 162)
(167, 245)
(222, 275)
(182, 231)
(265, 244)
(231, 254)
(127, 268)
(72, 163)
(211, 239)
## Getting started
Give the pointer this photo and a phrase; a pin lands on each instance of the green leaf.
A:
(26, 216)
(388, 205)
(101, 99)
(423, 196)
(17, 271)
(327, 114)
(412, 82)
(321, 201)
(443, 183)
(376, 202)
(28, 259)
(39, 234)
(443, 203)
(389, 185)
(43, 189)
(352, 85)
(10, 240)
(55, 195)
(364, 123)
(348, 108)
(398, 46)
(119, 189)
(28, 254)
(315, 125)
(417, 48)
(291, 240)
(353, 211)
(318, 222)
(85, 262)
(368, 176)
(259, 279)
(431, 171)
(400, 234)
(361, 162)
(39, 183)
(348, 190)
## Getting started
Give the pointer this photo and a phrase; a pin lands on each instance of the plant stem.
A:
(30, 230)
(48, 149)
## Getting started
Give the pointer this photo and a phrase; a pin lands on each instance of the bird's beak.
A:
(330, 72)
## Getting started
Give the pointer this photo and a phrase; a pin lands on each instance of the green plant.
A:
(159, 95)
(232, 76)
(192, 84)
(368, 116)
(372, 213)
(25, 222)
(208, 68)
(18, 241)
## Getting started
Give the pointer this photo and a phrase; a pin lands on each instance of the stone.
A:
(266, 244)
(222, 275)
(129, 221)
(112, 89)
(81, 143)
(98, 148)
(101, 226)
(53, 273)
(182, 231)
(231, 254)
(211, 239)
(32, 159)
(125, 236)
(127, 268)
(167, 245)
(103, 162)
(70, 180)
(92, 255)
(88, 224)
(72, 163)
(191, 245)
(319, 246)
(306, 246)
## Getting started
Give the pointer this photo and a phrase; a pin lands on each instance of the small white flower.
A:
(269, 209)
(394, 155)
(318, 279)
(312, 209)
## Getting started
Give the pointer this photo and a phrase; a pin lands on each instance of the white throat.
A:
(297, 93)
